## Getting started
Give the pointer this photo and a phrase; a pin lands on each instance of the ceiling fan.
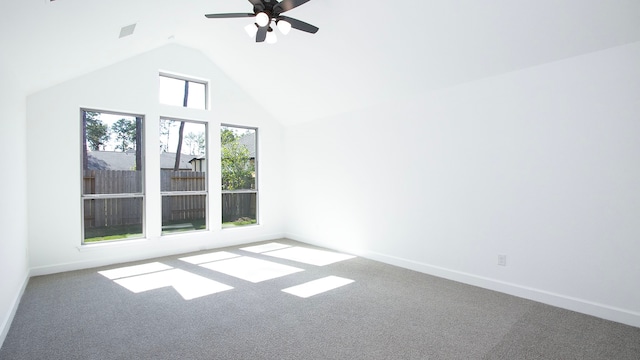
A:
(267, 13)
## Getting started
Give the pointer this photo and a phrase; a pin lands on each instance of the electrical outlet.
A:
(502, 260)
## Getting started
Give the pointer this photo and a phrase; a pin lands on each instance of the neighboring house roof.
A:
(117, 160)
(196, 158)
(168, 161)
(249, 141)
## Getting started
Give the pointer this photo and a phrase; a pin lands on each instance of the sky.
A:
(171, 139)
(172, 93)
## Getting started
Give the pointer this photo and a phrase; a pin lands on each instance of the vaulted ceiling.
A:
(365, 52)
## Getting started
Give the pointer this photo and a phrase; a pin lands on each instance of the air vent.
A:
(127, 30)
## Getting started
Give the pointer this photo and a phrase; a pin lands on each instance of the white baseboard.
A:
(6, 323)
(599, 310)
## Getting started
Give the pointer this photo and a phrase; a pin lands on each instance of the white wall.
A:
(53, 152)
(14, 266)
(540, 165)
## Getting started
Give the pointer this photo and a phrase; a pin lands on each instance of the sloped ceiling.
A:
(365, 52)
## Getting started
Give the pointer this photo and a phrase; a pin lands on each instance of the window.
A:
(239, 175)
(112, 177)
(183, 175)
(183, 92)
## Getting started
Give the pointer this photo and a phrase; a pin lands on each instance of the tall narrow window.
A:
(183, 92)
(112, 177)
(183, 175)
(239, 175)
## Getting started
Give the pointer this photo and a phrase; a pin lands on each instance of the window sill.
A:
(110, 244)
(236, 227)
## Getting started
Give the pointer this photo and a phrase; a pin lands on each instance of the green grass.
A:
(183, 225)
(110, 233)
(239, 222)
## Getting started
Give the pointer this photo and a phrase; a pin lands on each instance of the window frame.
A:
(204, 192)
(133, 195)
(256, 189)
(189, 79)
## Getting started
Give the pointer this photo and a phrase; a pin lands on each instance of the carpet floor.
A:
(287, 300)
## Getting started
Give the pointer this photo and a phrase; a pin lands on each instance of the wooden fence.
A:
(112, 212)
(183, 208)
(175, 207)
(112, 182)
(182, 180)
(238, 205)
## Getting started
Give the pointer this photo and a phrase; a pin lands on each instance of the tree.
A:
(97, 132)
(125, 131)
(176, 166)
(195, 142)
(165, 131)
(181, 130)
(227, 136)
(237, 168)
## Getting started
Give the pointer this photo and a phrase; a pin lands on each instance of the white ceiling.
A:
(365, 51)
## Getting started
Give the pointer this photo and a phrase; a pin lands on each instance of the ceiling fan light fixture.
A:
(251, 30)
(284, 26)
(271, 37)
(266, 16)
(262, 19)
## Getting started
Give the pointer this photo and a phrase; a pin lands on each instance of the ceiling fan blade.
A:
(262, 33)
(300, 25)
(286, 5)
(257, 5)
(225, 16)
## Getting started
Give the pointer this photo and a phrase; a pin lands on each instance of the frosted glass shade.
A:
(262, 19)
(271, 37)
(251, 30)
(284, 27)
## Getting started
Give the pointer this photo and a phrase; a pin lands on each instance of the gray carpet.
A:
(386, 313)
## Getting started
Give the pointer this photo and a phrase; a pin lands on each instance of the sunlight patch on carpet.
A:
(265, 247)
(134, 270)
(319, 286)
(309, 256)
(251, 269)
(188, 285)
(210, 257)
(155, 275)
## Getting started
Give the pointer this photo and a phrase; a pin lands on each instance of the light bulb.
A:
(284, 27)
(262, 19)
(271, 37)
(251, 30)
